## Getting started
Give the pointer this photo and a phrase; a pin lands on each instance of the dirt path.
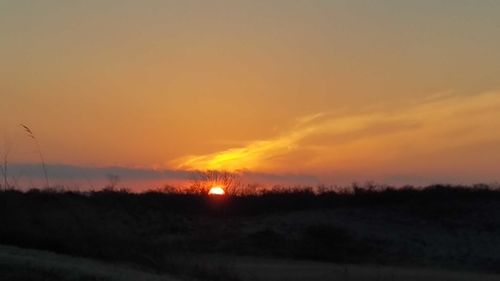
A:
(250, 269)
(43, 260)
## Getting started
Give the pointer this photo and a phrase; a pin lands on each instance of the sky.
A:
(316, 92)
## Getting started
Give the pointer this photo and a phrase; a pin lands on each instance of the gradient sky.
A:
(391, 91)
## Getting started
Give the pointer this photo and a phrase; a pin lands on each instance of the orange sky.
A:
(336, 90)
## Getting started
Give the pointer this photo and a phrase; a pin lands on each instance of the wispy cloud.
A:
(369, 140)
(254, 154)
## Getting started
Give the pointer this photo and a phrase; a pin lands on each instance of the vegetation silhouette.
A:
(31, 135)
(359, 224)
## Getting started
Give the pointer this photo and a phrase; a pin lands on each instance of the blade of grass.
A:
(30, 134)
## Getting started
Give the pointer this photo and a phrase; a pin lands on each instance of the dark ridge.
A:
(372, 224)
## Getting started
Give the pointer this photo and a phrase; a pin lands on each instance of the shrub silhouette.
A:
(146, 227)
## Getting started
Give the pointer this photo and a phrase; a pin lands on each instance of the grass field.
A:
(35, 265)
(251, 268)
(367, 234)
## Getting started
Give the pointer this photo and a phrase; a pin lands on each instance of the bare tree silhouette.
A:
(113, 181)
(229, 181)
(5, 164)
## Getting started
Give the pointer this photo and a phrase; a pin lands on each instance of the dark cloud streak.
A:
(29, 175)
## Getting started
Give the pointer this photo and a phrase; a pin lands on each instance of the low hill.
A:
(437, 227)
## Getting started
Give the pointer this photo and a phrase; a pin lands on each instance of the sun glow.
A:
(216, 190)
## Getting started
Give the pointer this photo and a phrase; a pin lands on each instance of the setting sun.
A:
(216, 190)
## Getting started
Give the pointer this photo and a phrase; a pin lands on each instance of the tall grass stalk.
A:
(4, 171)
(30, 134)
(4, 165)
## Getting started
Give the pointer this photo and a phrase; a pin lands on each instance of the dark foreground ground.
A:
(436, 228)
